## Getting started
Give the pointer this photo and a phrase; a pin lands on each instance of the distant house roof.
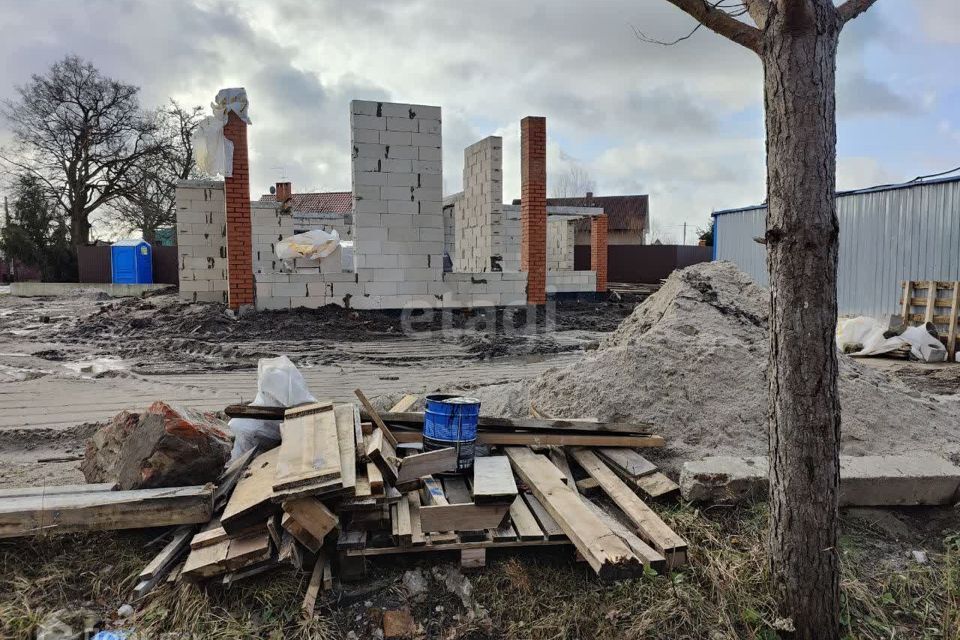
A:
(624, 213)
(328, 201)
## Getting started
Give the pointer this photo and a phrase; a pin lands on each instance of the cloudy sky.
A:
(682, 123)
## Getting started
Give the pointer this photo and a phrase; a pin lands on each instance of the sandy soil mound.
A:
(692, 360)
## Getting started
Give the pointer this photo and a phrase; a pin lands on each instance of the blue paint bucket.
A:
(451, 421)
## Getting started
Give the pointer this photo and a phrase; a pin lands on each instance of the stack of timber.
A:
(935, 302)
(348, 483)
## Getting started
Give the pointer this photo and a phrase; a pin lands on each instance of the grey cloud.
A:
(859, 95)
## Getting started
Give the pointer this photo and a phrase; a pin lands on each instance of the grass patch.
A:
(723, 593)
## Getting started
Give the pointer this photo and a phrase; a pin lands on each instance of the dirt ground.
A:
(67, 363)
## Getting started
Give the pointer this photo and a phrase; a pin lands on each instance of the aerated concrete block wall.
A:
(571, 281)
(269, 224)
(397, 180)
(478, 213)
(202, 240)
(560, 241)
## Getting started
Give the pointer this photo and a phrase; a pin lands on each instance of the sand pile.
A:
(692, 360)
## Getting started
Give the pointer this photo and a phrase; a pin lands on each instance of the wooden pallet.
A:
(934, 301)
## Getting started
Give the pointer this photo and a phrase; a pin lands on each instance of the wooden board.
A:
(301, 533)
(229, 555)
(549, 439)
(491, 423)
(406, 403)
(309, 447)
(462, 517)
(228, 480)
(164, 562)
(505, 532)
(649, 525)
(609, 556)
(346, 439)
(493, 480)
(547, 523)
(50, 490)
(453, 546)
(412, 468)
(105, 510)
(432, 493)
(650, 556)
(416, 528)
(627, 460)
(372, 414)
(362, 488)
(403, 522)
(375, 478)
(251, 501)
(657, 485)
(319, 579)
(383, 455)
(558, 457)
(524, 522)
(312, 515)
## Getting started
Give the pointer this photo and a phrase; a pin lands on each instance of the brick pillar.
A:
(533, 206)
(239, 239)
(284, 191)
(598, 250)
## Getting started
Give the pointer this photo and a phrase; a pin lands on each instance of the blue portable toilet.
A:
(131, 262)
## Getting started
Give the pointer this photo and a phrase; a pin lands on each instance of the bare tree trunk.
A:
(79, 227)
(799, 52)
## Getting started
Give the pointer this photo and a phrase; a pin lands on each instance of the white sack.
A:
(923, 346)
(867, 332)
(279, 384)
(312, 244)
(213, 151)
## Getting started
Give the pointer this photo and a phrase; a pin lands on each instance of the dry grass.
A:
(723, 593)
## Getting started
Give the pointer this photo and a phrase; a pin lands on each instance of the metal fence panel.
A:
(886, 236)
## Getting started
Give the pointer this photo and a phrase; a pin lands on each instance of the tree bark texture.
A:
(798, 50)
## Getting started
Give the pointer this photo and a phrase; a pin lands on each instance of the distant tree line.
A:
(82, 144)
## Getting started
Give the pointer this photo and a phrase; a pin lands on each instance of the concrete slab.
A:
(919, 478)
(36, 289)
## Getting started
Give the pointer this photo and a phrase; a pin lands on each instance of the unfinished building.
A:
(502, 255)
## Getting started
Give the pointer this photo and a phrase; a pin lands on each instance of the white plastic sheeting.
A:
(868, 334)
(213, 151)
(313, 244)
(279, 384)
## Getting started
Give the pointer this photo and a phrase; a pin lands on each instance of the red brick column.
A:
(239, 240)
(533, 206)
(598, 250)
(283, 191)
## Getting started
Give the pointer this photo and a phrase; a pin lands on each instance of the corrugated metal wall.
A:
(886, 235)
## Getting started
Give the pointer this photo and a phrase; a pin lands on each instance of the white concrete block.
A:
(405, 153)
(366, 136)
(395, 138)
(362, 150)
(396, 164)
(430, 126)
(403, 180)
(367, 178)
(403, 124)
(396, 193)
(358, 121)
(403, 206)
(423, 140)
(364, 107)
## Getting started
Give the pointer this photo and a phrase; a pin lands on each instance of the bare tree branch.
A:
(721, 22)
(853, 8)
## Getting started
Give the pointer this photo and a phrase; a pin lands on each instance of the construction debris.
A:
(166, 446)
(902, 480)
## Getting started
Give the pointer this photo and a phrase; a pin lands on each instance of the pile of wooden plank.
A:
(348, 483)
(935, 302)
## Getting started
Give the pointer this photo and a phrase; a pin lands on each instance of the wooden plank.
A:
(301, 533)
(273, 528)
(362, 489)
(657, 485)
(168, 556)
(550, 527)
(609, 556)
(492, 423)
(454, 546)
(352, 539)
(247, 550)
(404, 523)
(558, 457)
(316, 583)
(383, 455)
(931, 300)
(228, 480)
(588, 486)
(462, 517)
(504, 532)
(627, 460)
(650, 556)
(432, 493)
(50, 490)
(251, 501)
(358, 435)
(406, 403)
(456, 491)
(523, 521)
(952, 325)
(309, 447)
(548, 439)
(905, 303)
(412, 468)
(372, 414)
(493, 480)
(346, 439)
(375, 478)
(105, 510)
(416, 528)
(649, 525)
(206, 561)
(312, 515)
